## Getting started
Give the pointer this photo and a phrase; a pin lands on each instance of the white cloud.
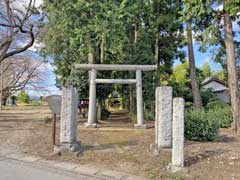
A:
(23, 4)
(37, 46)
(207, 60)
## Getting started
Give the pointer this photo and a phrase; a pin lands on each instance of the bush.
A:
(216, 104)
(207, 96)
(200, 125)
(188, 105)
(148, 115)
(222, 113)
(23, 97)
(105, 113)
(133, 117)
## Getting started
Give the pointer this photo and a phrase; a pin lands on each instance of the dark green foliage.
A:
(222, 113)
(23, 97)
(200, 125)
(188, 105)
(105, 113)
(216, 104)
(203, 125)
(148, 115)
(14, 98)
(207, 96)
(73, 25)
(133, 117)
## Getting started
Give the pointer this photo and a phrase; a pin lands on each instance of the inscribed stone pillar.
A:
(92, 101)
(140, 120)
(68, 126)
(163, 119)
(178, 134)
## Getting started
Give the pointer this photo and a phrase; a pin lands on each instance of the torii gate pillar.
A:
(140, 120)
(92, 101)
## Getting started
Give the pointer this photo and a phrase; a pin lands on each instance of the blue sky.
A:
(201, 58)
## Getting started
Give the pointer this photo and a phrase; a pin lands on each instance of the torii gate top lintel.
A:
(116, 67)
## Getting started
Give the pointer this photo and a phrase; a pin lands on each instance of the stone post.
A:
(140, 120)
(178, 135)
(68, 123)
(92, 101)
(163, 117)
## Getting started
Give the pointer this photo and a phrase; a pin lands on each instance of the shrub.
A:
(14, 98)
(148, 115)
(207, 96)
(200, 125)
(216, 104)
(188, 105)
(23, 97)
(222, 113)
(105, 113)
(133, 117)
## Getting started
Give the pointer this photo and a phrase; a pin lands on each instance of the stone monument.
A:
(163, 122)
(68, 122)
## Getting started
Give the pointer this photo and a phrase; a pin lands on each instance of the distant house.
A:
(218, 87)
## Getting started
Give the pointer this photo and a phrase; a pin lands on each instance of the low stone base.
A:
(91, 125)
(154, 149)
(74, 147)
(137, 126)
(174, 168)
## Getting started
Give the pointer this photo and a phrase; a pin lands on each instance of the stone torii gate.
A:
(93, 68)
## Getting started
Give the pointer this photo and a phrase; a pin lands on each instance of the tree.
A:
(229, 10)
(206, 70)
(20, 72)
(220, 75)
(118, 32)
(219, 33)
(19, 26)
(189, 18)
(23, 97)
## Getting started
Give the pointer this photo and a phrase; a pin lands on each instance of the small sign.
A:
(54, 102)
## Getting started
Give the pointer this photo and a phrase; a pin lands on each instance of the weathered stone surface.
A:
(66, 147)
(95, 125)
(163, 122)
(140, 120)
(68, 127)
(178, 134)
(137, 126)
(92, 100)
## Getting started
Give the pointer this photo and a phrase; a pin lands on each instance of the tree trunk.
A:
(135, 33)
(1, 96)
(99, 110)
(90, 55)
(157, 62)
(197, 101)
(231, 68)
(132, 100)
(102, 49)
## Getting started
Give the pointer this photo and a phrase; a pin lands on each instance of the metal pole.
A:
(54, 117)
